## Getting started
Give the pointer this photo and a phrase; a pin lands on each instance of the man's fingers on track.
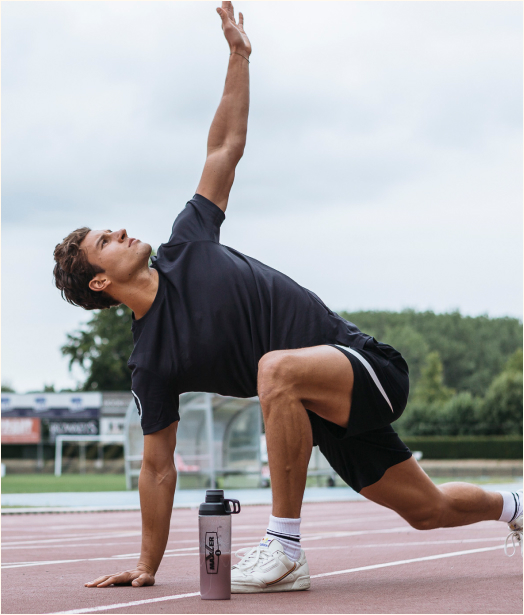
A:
(109, 581)
(97, 581)
(122, 578)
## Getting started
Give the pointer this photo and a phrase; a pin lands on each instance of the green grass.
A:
(48, 483)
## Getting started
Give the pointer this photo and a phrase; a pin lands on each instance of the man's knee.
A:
(427, 516)
(276, 377)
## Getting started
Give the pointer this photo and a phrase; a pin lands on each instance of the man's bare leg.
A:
(289, 381)
(321, 380)
(407, 489)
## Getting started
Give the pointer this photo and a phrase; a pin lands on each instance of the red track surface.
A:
(362, 558)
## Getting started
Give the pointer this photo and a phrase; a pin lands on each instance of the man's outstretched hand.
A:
(137, 578)
(233, 31)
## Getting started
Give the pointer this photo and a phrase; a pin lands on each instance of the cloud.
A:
(383, 166)
(109, 105)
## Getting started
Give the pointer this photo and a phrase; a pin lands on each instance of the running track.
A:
(362, 558)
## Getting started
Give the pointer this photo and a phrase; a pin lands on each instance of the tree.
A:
(101, 348)
(411, 344)
(515, 362)
(460, 416)
(501, 411)
(424, 415)
(473, 350)
(431, 388)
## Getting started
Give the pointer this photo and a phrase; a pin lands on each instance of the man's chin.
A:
(143, 247)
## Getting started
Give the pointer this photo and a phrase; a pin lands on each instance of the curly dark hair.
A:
(73, 272)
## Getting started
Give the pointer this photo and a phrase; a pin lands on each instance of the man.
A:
(207, 318)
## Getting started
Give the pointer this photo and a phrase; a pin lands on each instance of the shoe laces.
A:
(516, 540)
(251, 557)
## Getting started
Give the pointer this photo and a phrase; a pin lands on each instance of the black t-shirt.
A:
(216, 313)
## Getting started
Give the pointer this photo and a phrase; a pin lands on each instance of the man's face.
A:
(119, 255)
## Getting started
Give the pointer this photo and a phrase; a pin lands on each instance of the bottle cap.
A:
(216, 504)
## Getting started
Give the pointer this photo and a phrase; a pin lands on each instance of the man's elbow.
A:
(232, 150)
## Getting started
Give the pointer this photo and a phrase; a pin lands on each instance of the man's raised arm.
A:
(227, 135)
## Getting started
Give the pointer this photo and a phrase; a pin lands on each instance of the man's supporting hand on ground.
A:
(156, 485)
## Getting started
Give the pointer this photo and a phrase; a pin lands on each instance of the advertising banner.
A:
(53, 427)
(52, 405)
(21, 431)
(115, 403)
(112, 426)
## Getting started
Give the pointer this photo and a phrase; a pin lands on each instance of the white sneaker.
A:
(516, 530)
(267, 568)
(515, 535)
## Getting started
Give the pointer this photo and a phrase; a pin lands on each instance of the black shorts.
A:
(368, 446)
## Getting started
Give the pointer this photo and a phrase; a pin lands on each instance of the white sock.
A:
(511, 505)
(287, 532)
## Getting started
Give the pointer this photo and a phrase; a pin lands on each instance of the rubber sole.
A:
(300, 584)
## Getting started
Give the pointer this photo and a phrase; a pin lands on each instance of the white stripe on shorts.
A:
(370, 370)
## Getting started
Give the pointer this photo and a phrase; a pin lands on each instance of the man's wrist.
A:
(234, 54)
(240, 50)
(146, 568)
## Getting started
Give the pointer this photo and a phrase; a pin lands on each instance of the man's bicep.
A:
(218, 175)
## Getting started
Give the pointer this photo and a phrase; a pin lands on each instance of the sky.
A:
(383, 166)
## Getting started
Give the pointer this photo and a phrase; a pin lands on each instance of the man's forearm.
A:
(156, 503)
(229, 126)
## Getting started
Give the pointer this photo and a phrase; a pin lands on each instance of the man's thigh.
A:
(321, 377)
(406, 489)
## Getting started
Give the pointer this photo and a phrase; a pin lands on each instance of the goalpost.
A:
(117, 439)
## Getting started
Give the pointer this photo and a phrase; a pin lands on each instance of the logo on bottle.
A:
(212, 552)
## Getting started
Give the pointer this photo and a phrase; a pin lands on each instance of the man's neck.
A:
(140, 296)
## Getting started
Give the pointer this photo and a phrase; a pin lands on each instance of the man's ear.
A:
(100, 282)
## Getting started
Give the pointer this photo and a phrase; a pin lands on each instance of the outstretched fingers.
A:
(228, 7)
(110, 579)
(241, 21)
(136, 578)
(96, 582)
(224, 16)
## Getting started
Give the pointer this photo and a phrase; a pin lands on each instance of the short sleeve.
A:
(200, 220)
(157, 402)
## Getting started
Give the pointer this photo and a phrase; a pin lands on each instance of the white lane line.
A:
(193, 551)
(44, 541)
(406, 561)
(69, 546)
(421, 543)
(312, 536)
(123, 605)
(92, 544)
(11, 542)
(325, 535)
(67, 526)
(114, 558)
(84, 536)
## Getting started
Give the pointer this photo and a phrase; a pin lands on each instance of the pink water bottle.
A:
(214, 529)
